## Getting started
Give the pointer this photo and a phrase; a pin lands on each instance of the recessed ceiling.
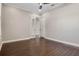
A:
(34, 7)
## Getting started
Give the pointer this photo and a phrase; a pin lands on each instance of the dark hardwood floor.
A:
(41, 47)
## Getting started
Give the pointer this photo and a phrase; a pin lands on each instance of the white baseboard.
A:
(0, 46)
(14, 40)
(64, 42)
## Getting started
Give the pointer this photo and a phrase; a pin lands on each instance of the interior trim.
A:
(0, 46)
(15, 40)
(64, 42)
(9, 41)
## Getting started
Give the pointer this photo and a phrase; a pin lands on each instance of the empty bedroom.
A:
(39, 29)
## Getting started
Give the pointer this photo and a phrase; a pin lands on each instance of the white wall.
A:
(16, 23)
(63, 24)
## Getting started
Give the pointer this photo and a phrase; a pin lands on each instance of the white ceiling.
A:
(34, 7)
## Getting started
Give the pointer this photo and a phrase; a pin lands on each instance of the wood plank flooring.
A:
(41, 47)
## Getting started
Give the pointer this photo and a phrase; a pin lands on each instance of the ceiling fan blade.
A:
(53, 4)
(45, 3)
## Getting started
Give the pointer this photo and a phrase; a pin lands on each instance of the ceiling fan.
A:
(41, 4)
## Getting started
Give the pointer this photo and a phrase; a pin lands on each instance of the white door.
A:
(36, 26)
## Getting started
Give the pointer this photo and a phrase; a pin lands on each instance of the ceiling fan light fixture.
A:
(40, 7)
